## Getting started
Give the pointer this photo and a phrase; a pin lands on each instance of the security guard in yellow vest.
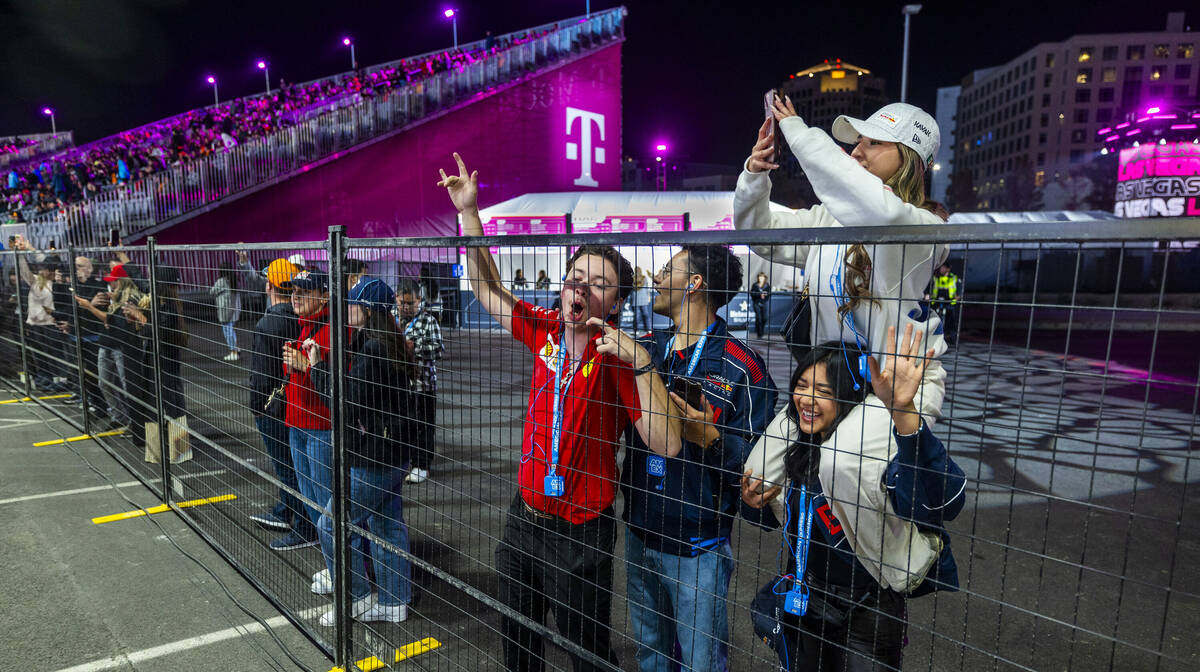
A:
(945, 300)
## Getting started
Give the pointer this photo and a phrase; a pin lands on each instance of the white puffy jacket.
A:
(855, 457)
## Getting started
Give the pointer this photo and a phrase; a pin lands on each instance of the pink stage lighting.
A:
(449, 13)
(212, 80)
(660, 148)
(47, 111)
(346, 41)
(262, 65)
(1153, 110)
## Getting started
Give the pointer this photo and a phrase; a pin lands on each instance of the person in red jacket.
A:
(307, 417)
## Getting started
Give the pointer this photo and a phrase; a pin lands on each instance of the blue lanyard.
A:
(803, 533)
(839, 298)
(696, 354)
(556, 426)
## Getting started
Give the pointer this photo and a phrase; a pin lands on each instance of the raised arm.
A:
(481, 267)
(853, 196)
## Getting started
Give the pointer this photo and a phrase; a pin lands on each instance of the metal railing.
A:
(186, 188)
(1073, 418)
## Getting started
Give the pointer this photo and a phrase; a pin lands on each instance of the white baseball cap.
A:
(901, 123)
(298, 259)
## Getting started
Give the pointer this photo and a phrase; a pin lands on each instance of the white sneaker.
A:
(418, 476)
(357, 609)
(322, 583)
(232, 356)
(397, 613)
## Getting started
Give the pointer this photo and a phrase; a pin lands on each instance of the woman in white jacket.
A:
(857, 292)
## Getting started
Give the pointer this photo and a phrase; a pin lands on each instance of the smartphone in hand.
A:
(691, 391)
(769, 107)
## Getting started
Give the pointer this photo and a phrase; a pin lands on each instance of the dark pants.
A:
(872, 640)
(45, 344)
(550, 564)
(275, 438)
(760, 317)
(91, 377)
(425, 412)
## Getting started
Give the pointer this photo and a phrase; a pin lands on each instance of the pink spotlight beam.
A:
(660, 148)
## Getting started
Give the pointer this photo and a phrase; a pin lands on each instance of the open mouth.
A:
(575, 311)
(808, 417)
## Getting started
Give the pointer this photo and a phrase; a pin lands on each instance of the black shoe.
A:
(72, 400)
(269, 520)
(291, 541)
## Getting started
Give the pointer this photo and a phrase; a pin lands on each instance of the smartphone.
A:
(769, 107)
(690, 390)
(114, 237)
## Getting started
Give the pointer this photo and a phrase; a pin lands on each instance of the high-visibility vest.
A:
(948, 283)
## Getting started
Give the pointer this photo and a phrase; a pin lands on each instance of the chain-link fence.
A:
(436, 459)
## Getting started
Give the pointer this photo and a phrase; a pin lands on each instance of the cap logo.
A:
(916, 138)
(889, 119)
(920, 127)
(300, 276)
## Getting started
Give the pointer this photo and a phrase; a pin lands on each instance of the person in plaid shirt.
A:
(423, 337)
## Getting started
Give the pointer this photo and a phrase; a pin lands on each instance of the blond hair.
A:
(127, 290)
(908, 182)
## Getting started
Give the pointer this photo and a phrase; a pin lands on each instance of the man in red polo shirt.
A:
(556, 550)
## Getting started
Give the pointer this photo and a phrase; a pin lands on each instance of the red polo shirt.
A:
(599, 400)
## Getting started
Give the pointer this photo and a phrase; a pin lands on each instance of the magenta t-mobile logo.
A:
(586, 120)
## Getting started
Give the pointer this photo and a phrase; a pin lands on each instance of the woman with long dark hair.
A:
(836, 614)
(857, 292)
(379, 432)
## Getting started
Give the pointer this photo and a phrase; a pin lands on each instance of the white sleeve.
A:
(752, 210)
(852, 195)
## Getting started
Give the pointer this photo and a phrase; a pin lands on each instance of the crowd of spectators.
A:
(51, 182)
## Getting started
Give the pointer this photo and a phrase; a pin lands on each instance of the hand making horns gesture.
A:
(463, 188)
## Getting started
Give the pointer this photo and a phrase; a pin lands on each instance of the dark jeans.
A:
(550, 564)
(872, 640)
(425, 412)
(760, 317)
(275, 438)
(45, 343)
(91, 377)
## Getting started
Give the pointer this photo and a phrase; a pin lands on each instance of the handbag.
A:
(797, 327)
(276, 405)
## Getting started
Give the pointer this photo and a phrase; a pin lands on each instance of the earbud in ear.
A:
(691, 285)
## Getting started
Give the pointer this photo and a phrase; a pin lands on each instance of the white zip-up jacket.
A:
(855, 457)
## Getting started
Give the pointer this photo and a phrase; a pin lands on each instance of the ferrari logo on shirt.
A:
(587, 368)
(549, 353)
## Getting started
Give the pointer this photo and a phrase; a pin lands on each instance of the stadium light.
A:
(213, 80)
(453, 16)
(262, 65)
(53, 125)
(908, 12)
(350, 43)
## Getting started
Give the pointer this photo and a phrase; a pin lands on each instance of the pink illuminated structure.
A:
(453, 16)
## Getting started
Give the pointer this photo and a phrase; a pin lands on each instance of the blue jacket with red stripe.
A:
(691, 508)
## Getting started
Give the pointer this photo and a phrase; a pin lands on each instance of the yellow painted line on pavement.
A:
(81, 437)
(404, 653)
(17, 401)
(161, 508)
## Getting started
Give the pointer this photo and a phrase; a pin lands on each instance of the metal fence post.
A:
(79, 360)
(164, 423)
(341, 471)
(21, 325)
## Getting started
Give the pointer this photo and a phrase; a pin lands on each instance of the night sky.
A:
(694, 71)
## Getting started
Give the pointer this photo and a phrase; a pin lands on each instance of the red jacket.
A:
(304, 407)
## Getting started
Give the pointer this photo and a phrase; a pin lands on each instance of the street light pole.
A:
(262, 65)
(350, 43)
(453, 16)
(216, 99)
(660, 167)
(53, 125)
(908, 11)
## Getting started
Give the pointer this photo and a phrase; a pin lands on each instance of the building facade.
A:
(824, 91)
(1034, 120)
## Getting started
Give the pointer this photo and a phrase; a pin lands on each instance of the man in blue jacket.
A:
(679, 510)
